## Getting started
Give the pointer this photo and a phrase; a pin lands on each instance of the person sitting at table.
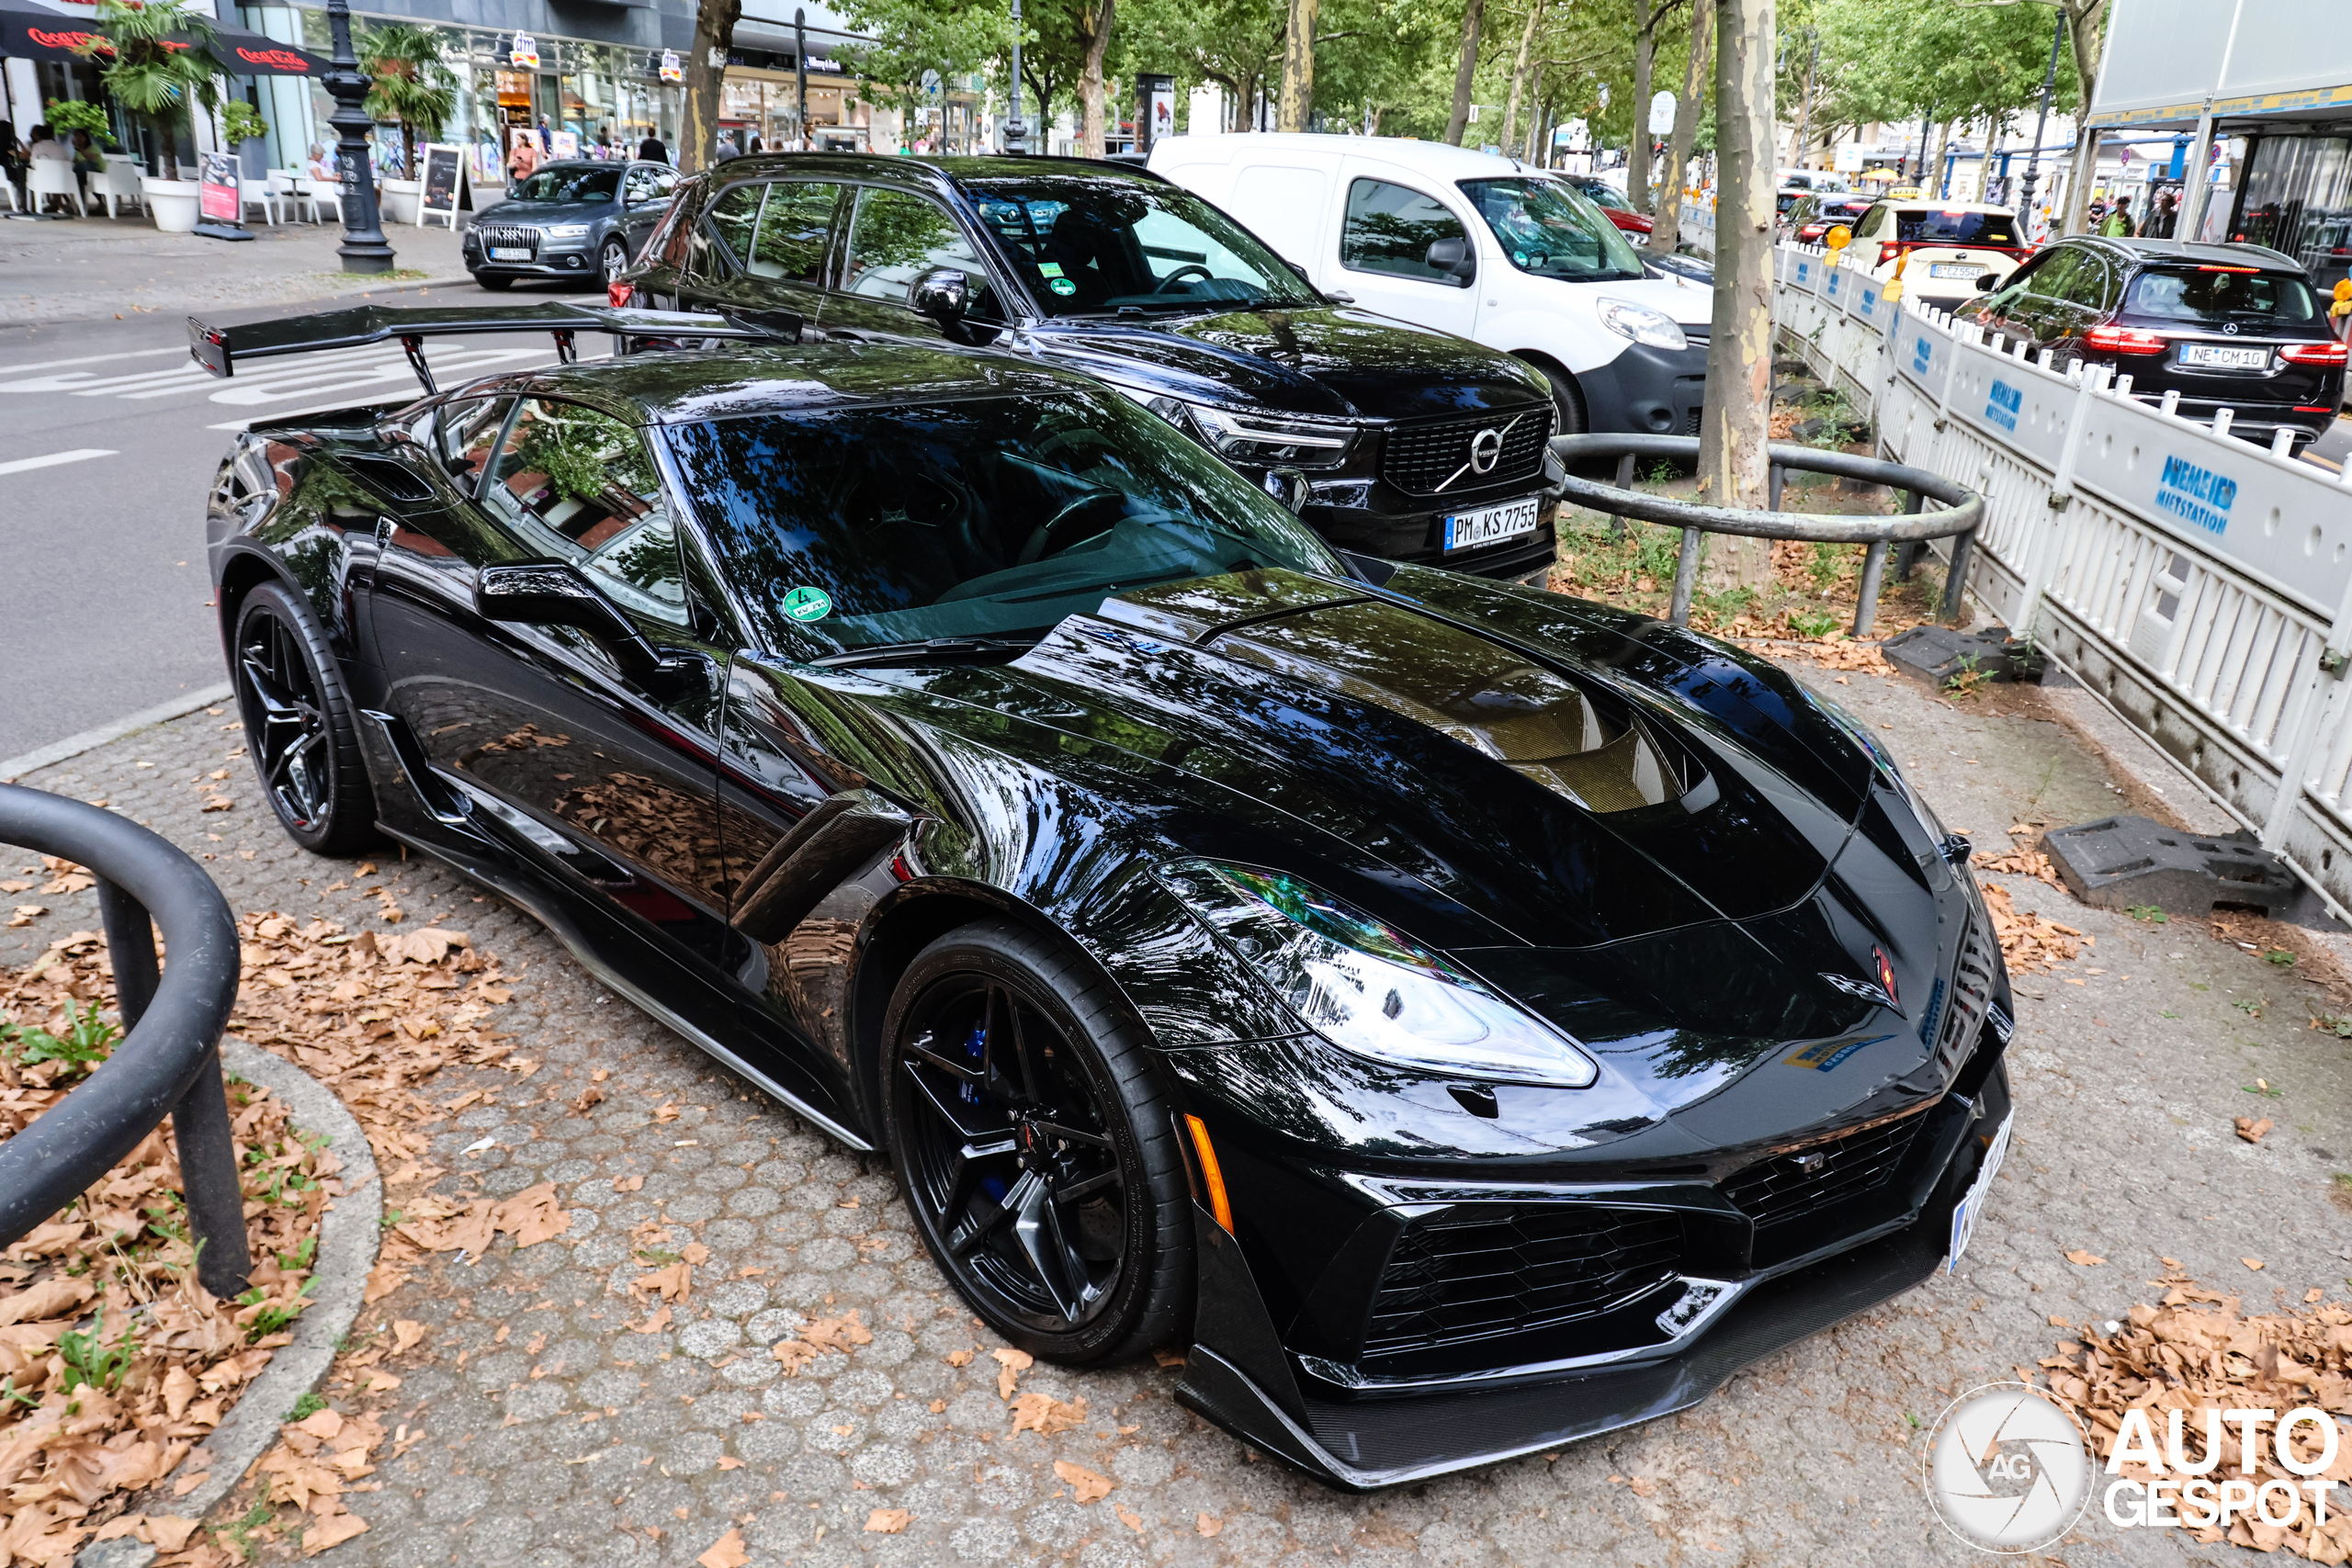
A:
(87, 160)
(47, 148)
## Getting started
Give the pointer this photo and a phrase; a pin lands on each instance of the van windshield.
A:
(1090, 244)
(1551, 230)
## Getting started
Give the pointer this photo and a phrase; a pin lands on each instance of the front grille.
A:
(1804, 1181)
(1484, 1269)
(1417, 460)
(507, 234)
(1956, 1011)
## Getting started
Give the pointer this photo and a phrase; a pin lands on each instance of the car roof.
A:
(2191, 251)
(1437, 158)
(922, 173)
(1922, 204)
(686, 387)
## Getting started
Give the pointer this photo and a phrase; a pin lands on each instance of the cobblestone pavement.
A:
(546, 1429)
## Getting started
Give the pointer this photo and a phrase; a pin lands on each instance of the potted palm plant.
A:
(410, 87)
(155, 58)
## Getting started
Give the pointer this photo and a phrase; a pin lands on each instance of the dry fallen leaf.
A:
(1642, 1486)
(1086, 1485)
(2085, 1257)
(2251, 1130)
(1133, 1521)
(628, 1183)
(886, 1521)
(961, 1357)
(654, 1325)
(1045, 1414)
(1208, 1524)
(2251, 1263)
(726, 1551)
(1011, 1364)
(406, 1334)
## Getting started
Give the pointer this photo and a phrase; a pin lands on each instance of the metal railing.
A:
(2198, 584)
(1957, 516)
(168, 1060)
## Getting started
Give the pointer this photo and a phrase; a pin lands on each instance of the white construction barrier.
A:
(2198, 584)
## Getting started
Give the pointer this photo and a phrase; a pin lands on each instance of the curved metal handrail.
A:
(1959, 514)
(168, 1061)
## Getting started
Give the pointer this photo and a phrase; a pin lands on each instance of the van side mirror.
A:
(1451, 257)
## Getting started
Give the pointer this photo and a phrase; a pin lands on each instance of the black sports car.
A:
(1473, 1017)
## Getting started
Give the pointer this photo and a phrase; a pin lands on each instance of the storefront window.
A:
(2298, 199)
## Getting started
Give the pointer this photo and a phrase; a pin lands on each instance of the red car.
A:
(1811, 216)
(1611, 200)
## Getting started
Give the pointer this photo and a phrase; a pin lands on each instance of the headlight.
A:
(1369, 988)
(1241, 436)
(564, 231)
(1642, 324)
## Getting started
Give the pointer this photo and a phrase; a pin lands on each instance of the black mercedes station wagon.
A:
(2235, 327)
(1394, 441)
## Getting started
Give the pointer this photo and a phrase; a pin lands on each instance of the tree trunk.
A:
(1094, 27)
(2081, 18)
(1637, 150)
(1298, 67)
(1518, 76)
(1667, 230)
(1733, 464)
(1472, 15)
(706, 70)
(1934, 184)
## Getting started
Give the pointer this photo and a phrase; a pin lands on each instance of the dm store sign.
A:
(2195, 495)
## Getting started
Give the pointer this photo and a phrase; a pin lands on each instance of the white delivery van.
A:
(1473, 244)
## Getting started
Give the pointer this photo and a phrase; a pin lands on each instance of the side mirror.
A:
(555, 594)
(1451, 257)
(943, 294)
(1987, 283)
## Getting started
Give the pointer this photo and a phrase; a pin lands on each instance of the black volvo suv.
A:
(1396, 442)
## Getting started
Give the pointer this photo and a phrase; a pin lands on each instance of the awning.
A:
(45, 35)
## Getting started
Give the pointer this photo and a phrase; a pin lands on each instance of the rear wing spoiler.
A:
(221, 349)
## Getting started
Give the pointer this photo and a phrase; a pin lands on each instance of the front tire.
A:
(492, 281)
(1569, 398)
(299, 725)
(1034, 1146)
(611, 262)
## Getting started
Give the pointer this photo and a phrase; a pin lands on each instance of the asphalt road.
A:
(110, 437)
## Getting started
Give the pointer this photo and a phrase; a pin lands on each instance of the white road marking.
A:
(22, 464)
(89, 359)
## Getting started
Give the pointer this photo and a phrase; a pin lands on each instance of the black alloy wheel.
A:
(1035, 1149)
(495, 282)
(299, 725)
(612, 261)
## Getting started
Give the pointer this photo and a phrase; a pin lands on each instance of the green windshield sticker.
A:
(1063, 286)
(807, 605)
(1049, 269)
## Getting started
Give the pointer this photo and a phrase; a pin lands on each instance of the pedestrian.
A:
(2167, 216)
(652, 151)
(756, 145)
(47, 149)
(522, 159)
(12, 159)
(87, 160)
(726, 148)
(2119, 219)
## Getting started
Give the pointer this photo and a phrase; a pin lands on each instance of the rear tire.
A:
(1036, 1146)
(300, 728)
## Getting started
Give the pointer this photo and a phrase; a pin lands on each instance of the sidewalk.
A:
(553, 1408)
(101, 268)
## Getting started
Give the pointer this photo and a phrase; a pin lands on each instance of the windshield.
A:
(1599, 192)
(1090, 244)
(2211, 296)
(576, 183)
(1551, 230)
(988, 517)
(1933, 227)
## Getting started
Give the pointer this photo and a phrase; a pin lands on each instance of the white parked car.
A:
(1945, 248)
(1477, 244)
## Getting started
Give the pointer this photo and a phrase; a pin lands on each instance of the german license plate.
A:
(510, 252)
(2220, 357)
(1953, 269)
(1963, 1215)
(1486, 525)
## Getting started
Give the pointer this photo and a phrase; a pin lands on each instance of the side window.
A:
(639, 186)
(464, 433)
(790, 246)
(1390, 229)
(2087, 286)
(578, 485)
(896, 238)
(723, 240)
(2055, 279)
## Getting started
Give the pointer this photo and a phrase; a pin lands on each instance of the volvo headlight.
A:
(564, 231)
(1642, 324)
(1369, 988)
(1243, 436)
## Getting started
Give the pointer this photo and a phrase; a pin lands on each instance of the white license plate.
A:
(1954, 269)
(2219, 357)
(1467, 530)
(509, 253)
(1963, 1215)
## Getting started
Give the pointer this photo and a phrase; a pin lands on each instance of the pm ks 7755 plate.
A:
(1486, 525)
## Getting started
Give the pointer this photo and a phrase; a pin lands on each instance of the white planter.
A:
(400, 199)
(174, 204)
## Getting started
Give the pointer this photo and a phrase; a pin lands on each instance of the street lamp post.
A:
(2033, 158)
(1016, 134)
(364, 247)
(800, 72)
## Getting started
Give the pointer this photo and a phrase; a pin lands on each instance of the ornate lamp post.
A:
(1016, 133)
(364, 247)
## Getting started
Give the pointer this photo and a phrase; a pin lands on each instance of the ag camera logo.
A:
(2007, 1470)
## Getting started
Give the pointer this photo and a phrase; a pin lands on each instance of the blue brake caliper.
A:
(976, 1050)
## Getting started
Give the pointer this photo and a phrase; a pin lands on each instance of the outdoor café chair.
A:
(259, 193)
